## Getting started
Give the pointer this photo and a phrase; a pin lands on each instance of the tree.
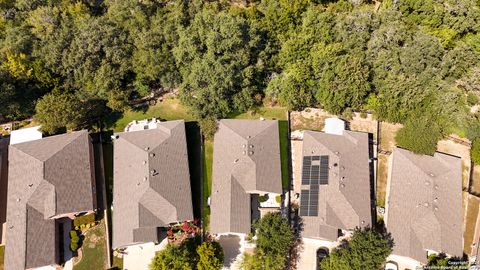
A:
(210, 256)
(419, 135)
(367, 249)
(173, 257)
(57, 111)
(208, 126)
(274, 241)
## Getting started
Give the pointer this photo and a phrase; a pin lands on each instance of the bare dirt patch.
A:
(470, 223)
(475, 186)
(382, 178)
(364, 124)
(309, 119)
(387, 135)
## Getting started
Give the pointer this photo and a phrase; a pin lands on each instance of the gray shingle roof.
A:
(345, 202)
(151, 182)
(424, 204)
(48, 177)
(246, 160)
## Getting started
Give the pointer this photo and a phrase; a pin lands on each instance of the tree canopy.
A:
(400, 60)
(367, 249)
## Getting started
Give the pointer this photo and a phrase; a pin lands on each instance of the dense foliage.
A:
(367, 249)
(189, 255)
(274, 240)
(399, 59)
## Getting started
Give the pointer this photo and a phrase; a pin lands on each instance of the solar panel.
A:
(315, 170)
(323, 177)
(309, 201)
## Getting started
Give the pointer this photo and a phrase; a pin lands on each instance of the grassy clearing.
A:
(207, 181)
(273, 113)
(168, 109)
(304, 123)
(2, 252)
(470, 223)
(94, 249)
(387, 135)
(382, 179)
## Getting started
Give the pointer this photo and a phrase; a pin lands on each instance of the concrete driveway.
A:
(138, 257)
(233, 247)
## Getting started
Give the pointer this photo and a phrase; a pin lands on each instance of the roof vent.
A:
(313, 151)
(436, 186)
(19, 199)
(435, 208)
(431, 174)
(244, 145)
(427, 183)
(244, 152)
(235, 161)
(426, 204)
(250, 146)
(138, 184)
(343, 178)
(153, 172)
(30, 185)
(336, 152)
(436, 199)
(145, 179)
(363, 221)
(152, 154)
(248, 137)
(144, 162)
(342, 185)
(250, 153)
(147, 148)
(335, 164)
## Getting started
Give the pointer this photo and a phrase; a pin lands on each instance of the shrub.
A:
(263, 198)
(83, 220)
(278, 199)
(74, 240)
(472, 99)
(419, 136)
(475, 151)
(347, 114)
(363, 115)
(208, 126)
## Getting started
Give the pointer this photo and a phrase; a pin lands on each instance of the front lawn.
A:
(168, 109)
(94, 250)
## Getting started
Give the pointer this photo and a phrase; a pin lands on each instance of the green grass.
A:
(168, 109)
(117, 262)
(274, 113)
(207, 180)
(283, 131)
(94, 249)
(2, 251)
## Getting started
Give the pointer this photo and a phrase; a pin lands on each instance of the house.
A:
(151, 182)
(3, 187)
(50, 180)
(424, 205)
(246, 164)
(335, 194)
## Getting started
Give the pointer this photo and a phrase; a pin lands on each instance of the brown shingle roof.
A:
(424, 204)
(246, 160)
(151, 182)
(48, 177)
(345, 202)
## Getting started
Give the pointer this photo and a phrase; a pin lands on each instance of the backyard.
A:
(470, 222)
(168, 109)
(93, 251)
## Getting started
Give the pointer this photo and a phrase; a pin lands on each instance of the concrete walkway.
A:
(139, 257)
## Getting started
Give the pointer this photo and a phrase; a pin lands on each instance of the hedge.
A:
(85, 219)
(74, 239)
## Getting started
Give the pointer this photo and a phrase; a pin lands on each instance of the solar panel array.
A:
(309, 201)
(314, 173)
(315, 170)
